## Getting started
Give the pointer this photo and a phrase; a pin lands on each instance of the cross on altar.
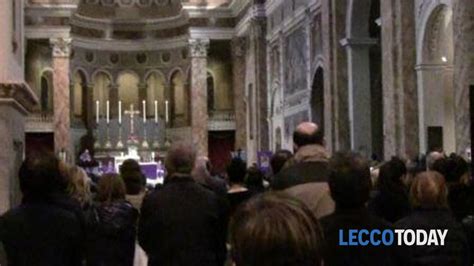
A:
(132, 114)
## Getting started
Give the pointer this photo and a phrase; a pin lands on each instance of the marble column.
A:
(463, 29)
(62, 136)
(199, 115)
(258, 41)
(358, 68)
(333, 22)
(238, 69)
(400, 98)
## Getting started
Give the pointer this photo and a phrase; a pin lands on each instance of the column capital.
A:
(198, 47)
(239, 46)
(61, 46)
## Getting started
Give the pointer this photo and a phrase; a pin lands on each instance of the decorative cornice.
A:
(130, 46)
(212, 33)
(18, 94)
(198, 47)
(41, 32)
(61, 47)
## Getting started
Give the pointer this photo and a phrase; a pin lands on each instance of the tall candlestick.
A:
(144, 111)
(108, 112)
(97, 112)
(167, 111)
(156, 112)
(120, 112)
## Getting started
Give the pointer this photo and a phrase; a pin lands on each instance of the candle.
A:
(144, 111)
(108, 112)
(167, 111)
(97, 112)
(120, 112)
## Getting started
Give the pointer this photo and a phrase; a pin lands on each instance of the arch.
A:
(156, 91)
(101, 71)
(317, 97)
(179, 99)
(47, 91)
(100, 92)
(79, 94)
(84, 74)
(128, 91)
(436, 103)
(173, 71)
(210, 92)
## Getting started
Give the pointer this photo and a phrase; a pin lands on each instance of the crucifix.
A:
(132, 114)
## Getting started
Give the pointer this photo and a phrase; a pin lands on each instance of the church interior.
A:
(115, 77)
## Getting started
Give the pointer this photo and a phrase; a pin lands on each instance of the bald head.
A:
(307, 133)
(180, 159)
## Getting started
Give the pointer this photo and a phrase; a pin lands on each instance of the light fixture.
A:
(444, 59)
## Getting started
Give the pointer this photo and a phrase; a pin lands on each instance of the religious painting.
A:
(296, 62)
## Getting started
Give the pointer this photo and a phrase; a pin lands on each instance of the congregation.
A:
(292, 217)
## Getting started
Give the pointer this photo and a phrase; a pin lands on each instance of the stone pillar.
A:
(62, 136)
(358, 68)
(463, 29)
(333, 21)
(399, 79)
(199, 115)
(258, 41)
(90, 106)
(238, 69)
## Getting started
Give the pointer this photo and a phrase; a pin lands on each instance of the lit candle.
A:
(108, 112)
(167, 111)
(156, 112)
(120, 112)
(144, 111)
(97, 112)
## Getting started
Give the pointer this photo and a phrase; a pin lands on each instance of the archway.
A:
(100, 92)
(156, 92)
(317, 98)
(79, 96)
(128, 90)
(179, 100)
(46, 92)
(436, 83)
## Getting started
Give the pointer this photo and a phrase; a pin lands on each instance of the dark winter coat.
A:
(112, 234)
(183, 224)
(44, 232)
(391, 205)
(455, 252)
(336, 255)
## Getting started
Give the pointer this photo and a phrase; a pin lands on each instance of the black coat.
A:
(391, 205)
(455, 252)
(112, 234)
(336, 255)
(183, 224)
(44, 232)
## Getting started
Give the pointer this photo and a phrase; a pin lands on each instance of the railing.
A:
(39, 123)
(221, 120)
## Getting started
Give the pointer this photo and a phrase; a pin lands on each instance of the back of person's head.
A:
(307, 133)
(279, 159)
(180, 159)
(391, 174)
(134, 181)
(236, 171)
(428, 190)
(130, 165)
(41, 175)
(349, 180)
(432, 157)
(254, 179)
(275, 230)
(452, 168)
(79, 186)
(111, 188)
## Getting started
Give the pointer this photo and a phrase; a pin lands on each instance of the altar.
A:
(131, 137)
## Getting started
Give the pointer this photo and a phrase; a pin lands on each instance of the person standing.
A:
(183, 223)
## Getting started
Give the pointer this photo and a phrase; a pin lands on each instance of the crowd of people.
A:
(292, 217)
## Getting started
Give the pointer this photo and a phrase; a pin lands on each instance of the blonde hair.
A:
(111, 188)
(429, 190)
(79, 186)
